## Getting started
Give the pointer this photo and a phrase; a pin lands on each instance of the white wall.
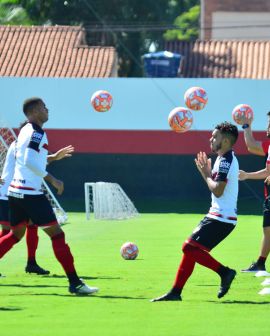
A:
(139, 103)
(241, 25)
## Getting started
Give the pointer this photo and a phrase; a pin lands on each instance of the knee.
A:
(53, 231)
(186, 247)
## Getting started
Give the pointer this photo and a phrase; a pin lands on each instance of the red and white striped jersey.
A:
(31, 160)
(224, 208)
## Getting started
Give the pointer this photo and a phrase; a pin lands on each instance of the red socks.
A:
(184, 271)
(31, 242)
(62, 253)
(7, 242)
(191, 256)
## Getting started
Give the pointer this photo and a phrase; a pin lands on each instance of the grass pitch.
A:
(34, 305)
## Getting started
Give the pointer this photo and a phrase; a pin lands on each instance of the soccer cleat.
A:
(82, 289)
(34, 268)
(253, 268)
(226, 282)
(168, 297)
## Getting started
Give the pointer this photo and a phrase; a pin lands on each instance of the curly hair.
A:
(228, 130)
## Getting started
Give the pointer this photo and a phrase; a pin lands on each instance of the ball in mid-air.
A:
(180, 119)
(240, 111)
(102, 101)
(129, 251)
(195, 98)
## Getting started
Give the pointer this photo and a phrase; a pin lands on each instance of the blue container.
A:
(162, 64)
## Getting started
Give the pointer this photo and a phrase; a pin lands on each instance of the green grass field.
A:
(33, 305)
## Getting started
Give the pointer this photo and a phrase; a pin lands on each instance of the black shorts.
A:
(266, 212)
(4, 212)
(210, 232)
(36, 208)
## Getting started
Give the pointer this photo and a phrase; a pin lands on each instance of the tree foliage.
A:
(188, 24)
(12, 13)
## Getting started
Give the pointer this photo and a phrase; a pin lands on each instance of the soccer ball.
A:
(242, 110)
(180, 119)
(101, 101)
(195, 98)
(129, 251)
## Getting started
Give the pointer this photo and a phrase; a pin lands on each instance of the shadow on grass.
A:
(82, 296)
(10, 308)
(242, 302)
(31, 286)
(121, 297)
(55, 276)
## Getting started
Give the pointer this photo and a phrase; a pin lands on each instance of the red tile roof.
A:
(223, 59)
(52, 51)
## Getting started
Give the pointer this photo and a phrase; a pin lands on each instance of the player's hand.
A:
(59, 186)
(242, 175)
(64, 153)
(267, 180)
(244, 120)
(203, 164)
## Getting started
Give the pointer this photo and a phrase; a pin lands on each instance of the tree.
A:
(12, 13)
(122, 23)
(188, 24)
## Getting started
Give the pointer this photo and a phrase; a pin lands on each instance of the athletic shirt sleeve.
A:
(223, 169)
(31, 157)
(35, 140)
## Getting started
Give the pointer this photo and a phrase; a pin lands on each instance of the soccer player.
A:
(221, 219)
(259, 148)
(26, 199)
(31, 231)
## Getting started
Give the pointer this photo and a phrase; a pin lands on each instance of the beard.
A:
(216, 149)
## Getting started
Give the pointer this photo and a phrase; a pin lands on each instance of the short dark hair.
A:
(268, 113)
(30, 104)
(228, 130)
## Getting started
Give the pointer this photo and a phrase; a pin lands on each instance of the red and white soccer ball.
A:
(180, 119)
(195, 98)
(129, 251)
(240, 111)
(102, 101)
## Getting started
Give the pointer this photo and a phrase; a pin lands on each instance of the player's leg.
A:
(13, 237)
(259, 264)
(17, 223)
(4, 230)
(42, 215)
(4, 218)
(64, 256)
(196, 249)
(32, 244)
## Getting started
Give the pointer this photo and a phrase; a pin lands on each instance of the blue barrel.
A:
(162, 64)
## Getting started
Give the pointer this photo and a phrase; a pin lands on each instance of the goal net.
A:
(7, 136)
(107, 201)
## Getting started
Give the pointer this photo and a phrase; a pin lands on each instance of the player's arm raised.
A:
(257, 175)
(253, 146)
(61, 154)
